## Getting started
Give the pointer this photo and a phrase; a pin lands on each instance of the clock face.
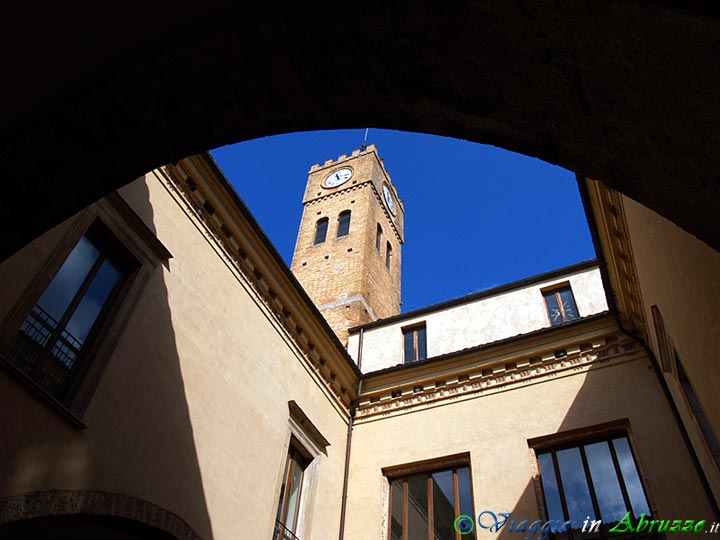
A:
(388, 198)
(337, 178)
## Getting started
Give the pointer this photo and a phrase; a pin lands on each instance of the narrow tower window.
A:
(321, 228)
(388, 255)
(343, 223)
(378, 238)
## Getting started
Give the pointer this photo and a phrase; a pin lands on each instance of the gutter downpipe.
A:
(348, 443)
(610, 296)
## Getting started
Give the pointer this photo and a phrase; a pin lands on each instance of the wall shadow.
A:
(139, 439)
(671, 478)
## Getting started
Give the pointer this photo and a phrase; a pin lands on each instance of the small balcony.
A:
(281, 532)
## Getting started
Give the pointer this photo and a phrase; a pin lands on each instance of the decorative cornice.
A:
(506, 371)
(611, 225)
(192, 183)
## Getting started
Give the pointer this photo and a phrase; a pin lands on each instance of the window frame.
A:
(556, 289)
(306, 439)
(126, 232)
(694, 405)
(579, 438)
(414, 328)
(378, 238)
(326, 222)
(343, 230)
(388, 254)
(290, 464)
(428, 468)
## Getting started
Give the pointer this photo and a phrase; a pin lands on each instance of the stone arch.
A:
(100, 508)
(625, 92)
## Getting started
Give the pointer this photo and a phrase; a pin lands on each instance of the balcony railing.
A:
(281, 532)
(47, 353)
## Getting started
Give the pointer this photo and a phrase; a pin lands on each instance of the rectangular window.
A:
(560, 305)
(596, 480)
(698, 411)
(388, 255)
(668, 358)
(378, 238)
(288, 509)
(52, 347)
(425, 506)
(415, 343)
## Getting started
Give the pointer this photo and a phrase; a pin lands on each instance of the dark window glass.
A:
(560, 305)
(698, 411)
(396, 501)
(321, 228)
(378, 238)
(598, 480)
(52, 343)
(418, 517)
(414, 343)
(443, 505)
(388, 255)
(343, 224)
(290, 492)
(426, 505)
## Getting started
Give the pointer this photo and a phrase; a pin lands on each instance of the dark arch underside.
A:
(623, 91)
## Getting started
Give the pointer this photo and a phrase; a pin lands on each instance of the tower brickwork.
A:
(351, 267)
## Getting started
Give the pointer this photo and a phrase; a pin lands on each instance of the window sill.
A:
(35, 388)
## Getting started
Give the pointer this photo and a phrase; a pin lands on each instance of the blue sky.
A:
(476, 216)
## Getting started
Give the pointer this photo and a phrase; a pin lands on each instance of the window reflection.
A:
(426, 504)
(53, 342)
(594, 481)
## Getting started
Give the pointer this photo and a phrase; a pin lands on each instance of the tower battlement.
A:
(348, 250)
(370, 148)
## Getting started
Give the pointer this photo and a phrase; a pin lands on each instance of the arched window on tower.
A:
(321, 228)
(378, 238)
(388, 255)
(343, 223)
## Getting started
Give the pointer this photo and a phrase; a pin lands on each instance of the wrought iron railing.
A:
(47, 353)
(281, 532)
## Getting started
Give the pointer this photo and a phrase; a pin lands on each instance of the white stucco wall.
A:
(479, 321)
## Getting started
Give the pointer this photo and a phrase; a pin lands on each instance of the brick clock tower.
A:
(347, 254)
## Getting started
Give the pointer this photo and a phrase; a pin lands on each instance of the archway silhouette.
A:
(88, 514)
(620, 91)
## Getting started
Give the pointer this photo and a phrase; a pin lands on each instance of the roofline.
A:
(245, 211)
(590, 263)
(487, 346)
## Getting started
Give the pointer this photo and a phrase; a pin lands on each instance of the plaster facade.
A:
(191, 413)
(216, 362)
(666, 285)
(479, 318)
(495, 428)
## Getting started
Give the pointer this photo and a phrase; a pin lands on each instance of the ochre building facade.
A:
(165, 374)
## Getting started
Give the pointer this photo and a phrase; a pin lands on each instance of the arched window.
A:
(321, 228)
(388, 255)
(343, 223)
(378, 238)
